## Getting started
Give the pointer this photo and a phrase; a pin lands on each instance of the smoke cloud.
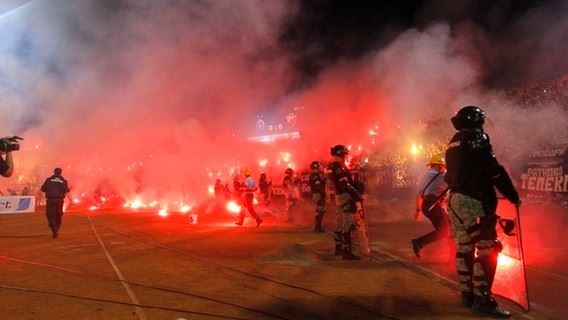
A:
(142, 93)
(159, 97)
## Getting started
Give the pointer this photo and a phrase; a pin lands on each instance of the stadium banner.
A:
(545, 175)
(17, 204)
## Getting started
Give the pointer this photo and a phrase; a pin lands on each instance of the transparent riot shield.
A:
(510, 279)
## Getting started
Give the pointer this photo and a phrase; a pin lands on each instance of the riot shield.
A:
(510, 279)
(362, 231)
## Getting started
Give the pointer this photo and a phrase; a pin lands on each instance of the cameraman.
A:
(6, 164)
(7, 145)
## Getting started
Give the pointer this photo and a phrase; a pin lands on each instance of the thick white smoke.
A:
(146, 93)
(150, 94)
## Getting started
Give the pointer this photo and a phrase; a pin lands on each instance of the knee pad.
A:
(468, 258)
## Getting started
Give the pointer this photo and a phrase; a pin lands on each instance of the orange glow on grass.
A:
(163, 212)
(135, 204)
(233, 207)
(185, 208)
(505, 262)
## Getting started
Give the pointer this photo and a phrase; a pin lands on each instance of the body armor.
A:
(473, 169)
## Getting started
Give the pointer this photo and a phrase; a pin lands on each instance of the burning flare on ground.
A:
(233, 207)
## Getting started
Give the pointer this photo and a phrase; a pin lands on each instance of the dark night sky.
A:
(516, 41)
(322, 32)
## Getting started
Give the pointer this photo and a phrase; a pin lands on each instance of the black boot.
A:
(467, 299)
(348, 246)
(487, 306)
(338, 243)
(54, 232)
(338, 250)
(416, 247)
(318, 227)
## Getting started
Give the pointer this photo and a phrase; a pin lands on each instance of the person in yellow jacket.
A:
(431, 201)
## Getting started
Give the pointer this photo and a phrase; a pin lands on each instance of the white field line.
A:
(139, 311)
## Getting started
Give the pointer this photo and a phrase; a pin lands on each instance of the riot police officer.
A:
(55, 188)
(292, 189)
(472, 176)
(317, 186)
(265, 187)
(347, 197)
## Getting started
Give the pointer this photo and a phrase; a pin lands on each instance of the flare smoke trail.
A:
(141, 92)
(151, 94)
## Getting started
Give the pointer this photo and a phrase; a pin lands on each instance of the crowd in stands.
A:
(554, 90)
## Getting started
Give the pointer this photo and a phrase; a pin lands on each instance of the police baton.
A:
(522, 253)
(437, 199)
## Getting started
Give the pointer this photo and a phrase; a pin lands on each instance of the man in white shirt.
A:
(430, 200)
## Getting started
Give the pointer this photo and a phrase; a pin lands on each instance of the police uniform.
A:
(55, 188)
(473, 174)
(264, 186)
(346, 200)
(317, 186)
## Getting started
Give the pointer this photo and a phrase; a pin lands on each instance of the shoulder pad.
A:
(479, 141)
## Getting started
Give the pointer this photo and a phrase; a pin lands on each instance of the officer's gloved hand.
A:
(516, 200)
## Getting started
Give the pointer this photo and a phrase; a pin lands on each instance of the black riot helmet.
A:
(289, 171)
(470, 117)
(339, 151)
(316, 165)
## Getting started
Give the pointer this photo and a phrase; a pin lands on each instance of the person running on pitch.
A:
(431, 200)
